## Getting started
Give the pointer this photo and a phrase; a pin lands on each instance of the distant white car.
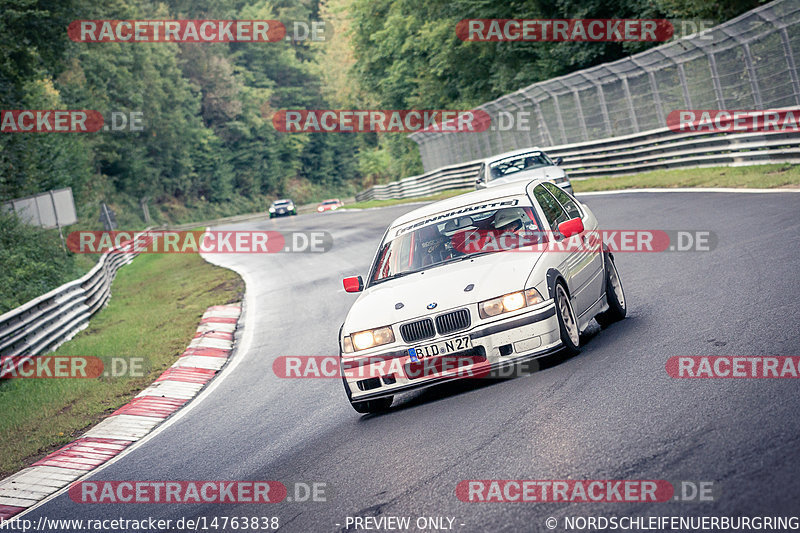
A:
(438, 290)
(521, 165)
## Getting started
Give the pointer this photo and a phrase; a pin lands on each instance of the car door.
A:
(555, 214)
(588, 264)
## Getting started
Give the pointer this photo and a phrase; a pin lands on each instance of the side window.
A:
(569, 204)
(553, 211)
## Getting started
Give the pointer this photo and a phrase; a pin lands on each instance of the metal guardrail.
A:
(664, 149)
(651, 150)
(46, 322)
(441, 179)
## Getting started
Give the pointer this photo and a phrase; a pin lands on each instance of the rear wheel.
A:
(617, 308)
(567, 323)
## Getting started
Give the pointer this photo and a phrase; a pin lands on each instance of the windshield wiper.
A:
(465, 257)
(452, 260)
(398, 275)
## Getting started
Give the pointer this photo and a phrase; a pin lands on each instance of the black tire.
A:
(373, 406)
(568, 327)
(617, 306)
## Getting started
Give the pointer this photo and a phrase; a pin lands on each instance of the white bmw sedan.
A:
(472, 284)
(521, 165)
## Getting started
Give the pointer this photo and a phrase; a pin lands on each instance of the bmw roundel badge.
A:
(432, 305)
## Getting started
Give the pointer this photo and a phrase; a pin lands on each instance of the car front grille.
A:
(415, 331)
(452, 321)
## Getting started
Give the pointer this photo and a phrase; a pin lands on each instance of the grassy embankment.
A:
(154, 310)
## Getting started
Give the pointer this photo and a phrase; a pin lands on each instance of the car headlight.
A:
(347, 345)
(271, 209)
(371, 337)
(509, 302)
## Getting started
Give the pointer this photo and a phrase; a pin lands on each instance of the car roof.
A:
(282, 200)
(513, 153)
(515, 188)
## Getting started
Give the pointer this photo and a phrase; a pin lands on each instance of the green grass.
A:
(756, 176)
(396, 201)
(155, 307)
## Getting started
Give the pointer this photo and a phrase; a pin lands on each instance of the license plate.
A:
(457, 344)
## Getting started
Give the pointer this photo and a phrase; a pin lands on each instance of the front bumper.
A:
(495, 345)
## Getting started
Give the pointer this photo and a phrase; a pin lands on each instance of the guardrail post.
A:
(748, 59)
(662, 119)
(559, 120)
(684, 86)
(581, 118)
(603, 107)
(543, 123)
(629, 100)
(787, 52)
(712, 65)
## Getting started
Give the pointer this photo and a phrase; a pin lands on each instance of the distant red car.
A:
(329, 205)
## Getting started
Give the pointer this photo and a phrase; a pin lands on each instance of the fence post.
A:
(581, 118)
(684, 85)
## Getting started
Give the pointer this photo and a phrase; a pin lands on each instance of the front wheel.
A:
(567, 323)
(617, 309)
(373, 406)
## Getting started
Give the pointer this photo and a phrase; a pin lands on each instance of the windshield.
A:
(455, 238)
(281, 202)
(518, 163)
(330, 202)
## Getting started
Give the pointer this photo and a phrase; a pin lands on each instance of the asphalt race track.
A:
(611, 412)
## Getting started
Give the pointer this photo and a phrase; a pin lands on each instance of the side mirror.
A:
(558, 160)
(355, 284)
(571, 227)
